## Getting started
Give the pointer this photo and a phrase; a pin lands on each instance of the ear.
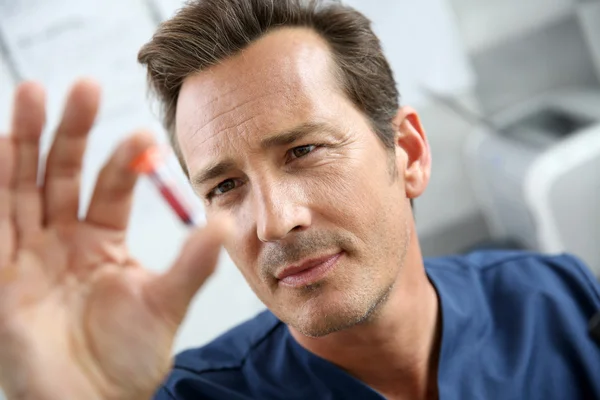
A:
(413, 156)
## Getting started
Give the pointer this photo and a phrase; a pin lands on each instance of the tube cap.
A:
(148, 161)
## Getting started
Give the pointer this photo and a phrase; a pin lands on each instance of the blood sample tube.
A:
(152, 163)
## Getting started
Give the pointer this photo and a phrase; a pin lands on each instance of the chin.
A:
(325, 307)
(316, 328)
(322, 316)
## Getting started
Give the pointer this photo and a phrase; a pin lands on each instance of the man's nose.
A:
(279, 211)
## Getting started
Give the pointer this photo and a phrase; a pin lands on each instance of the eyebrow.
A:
(212, 172)
(295, 134)
(280, 139)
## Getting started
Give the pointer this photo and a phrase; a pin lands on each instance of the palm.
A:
(76, 311)
(89, 314)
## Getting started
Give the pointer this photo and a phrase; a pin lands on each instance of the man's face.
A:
(321, 218)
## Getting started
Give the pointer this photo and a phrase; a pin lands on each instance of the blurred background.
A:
(508, 90)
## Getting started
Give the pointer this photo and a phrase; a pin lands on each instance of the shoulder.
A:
(230, 350)
(215, 371)
(559, 276)
(526, 312)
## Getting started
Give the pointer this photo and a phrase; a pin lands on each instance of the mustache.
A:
(303, 246)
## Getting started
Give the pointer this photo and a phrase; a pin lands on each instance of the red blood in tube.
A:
(147, 163)
(173, 201)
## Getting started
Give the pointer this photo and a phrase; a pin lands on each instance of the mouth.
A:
(308, 272)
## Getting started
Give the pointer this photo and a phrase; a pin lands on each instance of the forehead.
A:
(283, 79)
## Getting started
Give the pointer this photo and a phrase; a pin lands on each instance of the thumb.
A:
(175, 289)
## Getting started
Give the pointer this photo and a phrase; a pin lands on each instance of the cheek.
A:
(350, 194)
(243, 251)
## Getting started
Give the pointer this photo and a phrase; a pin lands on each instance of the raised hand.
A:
(79, 318)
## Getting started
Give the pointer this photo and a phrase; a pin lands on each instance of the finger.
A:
(63, 167)
(111, 203)
(173, 291)
(28, 121)
(7, 233)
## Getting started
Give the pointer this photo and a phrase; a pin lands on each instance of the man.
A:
(285, 117)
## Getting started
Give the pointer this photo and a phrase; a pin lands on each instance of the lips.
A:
(307, 272)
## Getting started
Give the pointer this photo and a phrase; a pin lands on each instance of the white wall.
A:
(449, 200)
(485, 23)
(6, 87)
(589, 14)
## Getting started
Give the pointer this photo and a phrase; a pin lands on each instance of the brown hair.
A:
(205, 32)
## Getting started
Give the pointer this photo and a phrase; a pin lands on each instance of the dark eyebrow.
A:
(212, 172)
(295, 134)
(280, 139)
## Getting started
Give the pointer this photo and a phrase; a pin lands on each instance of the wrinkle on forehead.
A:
(227, 119)
(277, 81)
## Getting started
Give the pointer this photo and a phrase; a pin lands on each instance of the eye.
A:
(223, 188)
(301, 151)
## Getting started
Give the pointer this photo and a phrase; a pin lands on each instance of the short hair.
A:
(203, 33)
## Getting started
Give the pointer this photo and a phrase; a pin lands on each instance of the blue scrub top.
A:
(514, 326)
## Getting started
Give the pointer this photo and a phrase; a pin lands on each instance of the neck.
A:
(396, 351)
